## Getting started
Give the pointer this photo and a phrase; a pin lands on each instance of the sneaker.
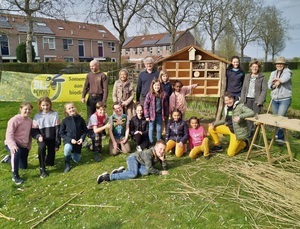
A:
(139, 148)
(43, 174)
(17, 180)
(97, 157)
(208, 157)
(218, 148)
(280, 142)
(103, 177)
(67, 169)
(119, 170)
(6, 159)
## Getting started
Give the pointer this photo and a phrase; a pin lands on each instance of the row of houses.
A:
(69, 41)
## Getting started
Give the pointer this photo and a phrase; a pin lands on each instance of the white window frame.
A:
(50, 41)
(112, 46)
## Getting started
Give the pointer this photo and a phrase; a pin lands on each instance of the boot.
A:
(43, 173)
(67, 164)
(16, 178)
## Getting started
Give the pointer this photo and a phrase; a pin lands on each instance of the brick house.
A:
(136, 48)
(57, 39)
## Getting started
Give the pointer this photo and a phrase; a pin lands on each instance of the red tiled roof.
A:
(61, 28)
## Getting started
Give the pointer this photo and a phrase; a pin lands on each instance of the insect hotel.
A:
(193, 65)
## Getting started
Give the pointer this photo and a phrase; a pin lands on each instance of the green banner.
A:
(18, 86)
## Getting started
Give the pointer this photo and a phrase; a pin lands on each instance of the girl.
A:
(123, 93)
(155, 109)
(177, 133)
(45, 129)
(167, 88)
(177, 98)
(18, 140)
(96, 127)
(198, 140)
(139, 129)
(73, 131)
(254, 91)
(234, 77)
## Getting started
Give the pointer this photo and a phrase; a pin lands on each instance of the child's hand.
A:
(212, 125)
(73, 141)
(164, 172)
(115, 145)
(147, 119)
(79, 142)
(124, 140)
(236, 119)
(107, 126)
(180, 144)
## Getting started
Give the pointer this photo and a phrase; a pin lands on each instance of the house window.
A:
(113, 60)
(67, 43)
(127, 51)
(4, 45)
(168, 48)
(141, 51)
(100, 49)
(158, 50)
(50, 41)
(135, 51)
(149, 49)
(69, 59)
(112, 46)
(81, 48)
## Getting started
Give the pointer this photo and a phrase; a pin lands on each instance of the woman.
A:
(234, 77)
(254, 91)
(280, 83)
(123, 93)
(233, 123)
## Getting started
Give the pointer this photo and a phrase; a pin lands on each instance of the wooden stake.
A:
(93, 205)
(6, 217)
(57, 209)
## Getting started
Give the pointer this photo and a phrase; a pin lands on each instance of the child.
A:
(123, 93)
(198, 140)
(177, 98)
(177, 133)
(139, 163)
(18, 140)
(45, 129)
(168, 89)
(96, 127)
(118, 131)
(73, 131)
(156, 109)
(139, 129)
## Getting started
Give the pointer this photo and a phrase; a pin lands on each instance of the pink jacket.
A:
(18, 132)
(178, 101)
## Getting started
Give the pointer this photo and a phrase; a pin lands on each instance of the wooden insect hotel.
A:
(193, 65)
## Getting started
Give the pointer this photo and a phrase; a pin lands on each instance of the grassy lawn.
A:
(221, 192)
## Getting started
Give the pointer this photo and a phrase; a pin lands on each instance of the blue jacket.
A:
(177, 131)
(73, 127)
(234, 81)
(167, 87)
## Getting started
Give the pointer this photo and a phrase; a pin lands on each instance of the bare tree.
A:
(173, 16)
(226, 44)
(31, 7)
(245, 22)
(199, 37)
(273, 31)
(218, 15)
(120, 12)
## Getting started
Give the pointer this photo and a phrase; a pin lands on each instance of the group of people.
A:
(159, 109)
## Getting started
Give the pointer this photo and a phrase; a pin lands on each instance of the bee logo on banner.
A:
(47, 85)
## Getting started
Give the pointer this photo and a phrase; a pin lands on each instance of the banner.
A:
(18, 86)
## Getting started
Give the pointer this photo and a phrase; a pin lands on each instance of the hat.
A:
(280, 60)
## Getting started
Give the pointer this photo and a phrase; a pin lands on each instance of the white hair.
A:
(148, 60)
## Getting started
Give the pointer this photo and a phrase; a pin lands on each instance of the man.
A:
(140, 163)
(96, 85)
(144, 80)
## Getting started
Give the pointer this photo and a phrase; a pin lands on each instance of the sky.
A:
(290, 11)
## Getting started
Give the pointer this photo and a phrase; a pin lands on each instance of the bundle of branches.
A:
(268, 194)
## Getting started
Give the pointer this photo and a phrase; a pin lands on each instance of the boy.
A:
(96, 127)
(140, 163)
(118, 131)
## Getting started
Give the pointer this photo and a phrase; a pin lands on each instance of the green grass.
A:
(196, 194)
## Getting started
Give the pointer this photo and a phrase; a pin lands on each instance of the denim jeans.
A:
(134, 168)
(157, 124)
(68, 151)
(280, 107)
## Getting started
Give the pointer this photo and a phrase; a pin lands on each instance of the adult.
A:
(280, 83)
(254, 91)
(233, 123)
(140, 163)
(96, 85)
(144, 80)
(123, 93)
(234, 77)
